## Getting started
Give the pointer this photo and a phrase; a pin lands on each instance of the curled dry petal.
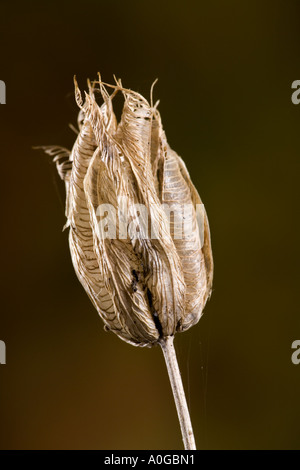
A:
(145, 288)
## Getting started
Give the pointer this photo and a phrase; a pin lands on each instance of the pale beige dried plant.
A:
(145, 289)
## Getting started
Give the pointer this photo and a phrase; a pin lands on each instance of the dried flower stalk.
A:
(145, 287)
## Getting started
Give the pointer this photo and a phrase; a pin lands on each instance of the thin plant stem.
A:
(178, 393)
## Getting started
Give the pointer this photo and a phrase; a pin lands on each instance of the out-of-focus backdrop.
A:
(225, 71)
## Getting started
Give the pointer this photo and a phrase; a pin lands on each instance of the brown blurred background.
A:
(225, 71)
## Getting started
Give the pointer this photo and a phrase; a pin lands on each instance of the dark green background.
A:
(225, 71)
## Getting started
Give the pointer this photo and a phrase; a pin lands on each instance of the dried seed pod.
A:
(144, 288)
(147, 283)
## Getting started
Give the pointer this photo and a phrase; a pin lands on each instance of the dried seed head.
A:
(139, 235)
